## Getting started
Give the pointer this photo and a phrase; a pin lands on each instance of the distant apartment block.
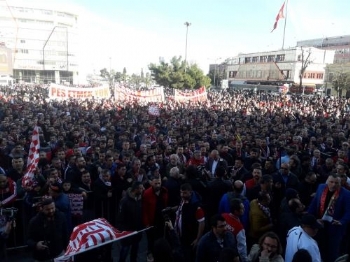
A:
(43, 42)
(340, 44)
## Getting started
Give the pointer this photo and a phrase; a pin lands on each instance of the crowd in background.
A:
(230, 178)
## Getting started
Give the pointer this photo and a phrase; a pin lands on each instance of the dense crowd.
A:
(244, 176)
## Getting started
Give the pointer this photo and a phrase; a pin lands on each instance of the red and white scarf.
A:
(331, 204)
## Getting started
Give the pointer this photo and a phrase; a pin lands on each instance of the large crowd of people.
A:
(244, 176)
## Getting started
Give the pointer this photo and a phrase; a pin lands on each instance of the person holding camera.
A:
(5, 229)
(8, 192)
(47, 233)
(168, 248)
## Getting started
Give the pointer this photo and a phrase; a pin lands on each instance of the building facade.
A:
(43, 42)
(280, 65)
(340, 44)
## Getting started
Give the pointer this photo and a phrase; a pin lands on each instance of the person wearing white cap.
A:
(301, 237)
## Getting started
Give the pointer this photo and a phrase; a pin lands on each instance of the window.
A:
(263, 59)
(23, 41)
(255, 59)
(46, 12)
(280, 57)
(247, 60)
(271, 58)
(232, 74)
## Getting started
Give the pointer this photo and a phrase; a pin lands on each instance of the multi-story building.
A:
(43, 41)
(340, 44)
(280, 65)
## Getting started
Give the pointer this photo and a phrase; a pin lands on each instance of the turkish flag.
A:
(278, 17)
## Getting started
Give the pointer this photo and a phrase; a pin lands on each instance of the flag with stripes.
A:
(91, 235)
(33, 159)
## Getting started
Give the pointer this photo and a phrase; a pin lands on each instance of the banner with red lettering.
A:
(60, 92)
(126, 94)
(191, 95)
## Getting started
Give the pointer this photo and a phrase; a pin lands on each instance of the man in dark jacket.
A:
(130, 219)
(190, 220)
(47, 233)
(216, 189)
(213, 242)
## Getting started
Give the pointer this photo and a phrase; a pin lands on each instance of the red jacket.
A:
(249, 184)
(149, 203)
(9, 193)
(196, 162)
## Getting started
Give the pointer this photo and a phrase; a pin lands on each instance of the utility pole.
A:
(187, 24)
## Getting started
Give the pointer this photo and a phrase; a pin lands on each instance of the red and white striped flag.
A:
(92, 235)
(153, 110)
(278, 17)
(33, 159)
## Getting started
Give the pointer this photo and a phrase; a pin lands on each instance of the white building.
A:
(43, 41)
(340, 44)
(280, 65)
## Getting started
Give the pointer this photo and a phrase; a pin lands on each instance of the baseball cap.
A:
(311, 221)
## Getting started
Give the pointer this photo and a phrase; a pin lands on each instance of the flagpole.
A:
(285, 23)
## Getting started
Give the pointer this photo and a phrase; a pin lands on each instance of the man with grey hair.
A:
(214, 161)
(173, 162)
(173, 184)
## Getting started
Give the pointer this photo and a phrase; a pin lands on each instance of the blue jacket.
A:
(224, 207)
(341, 208)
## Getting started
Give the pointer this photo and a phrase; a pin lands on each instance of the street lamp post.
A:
(187, 24)
(110, 59)
(67, 54)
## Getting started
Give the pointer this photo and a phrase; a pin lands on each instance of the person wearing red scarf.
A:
(331, 206)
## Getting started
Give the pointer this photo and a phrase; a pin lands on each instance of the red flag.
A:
(278, 17)
(33, 159)
(91, 235)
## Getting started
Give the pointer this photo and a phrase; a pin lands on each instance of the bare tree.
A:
(305, 62)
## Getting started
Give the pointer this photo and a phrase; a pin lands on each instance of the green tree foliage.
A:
(118, 77)
(135, 80)
(341, 81)
(124, 75)
(109, 76)
(173, 74)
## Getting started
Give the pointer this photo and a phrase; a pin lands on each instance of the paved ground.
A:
(23, 255)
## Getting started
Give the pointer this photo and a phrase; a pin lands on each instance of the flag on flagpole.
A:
(278, 17)
(91, 235)
(33, 159)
